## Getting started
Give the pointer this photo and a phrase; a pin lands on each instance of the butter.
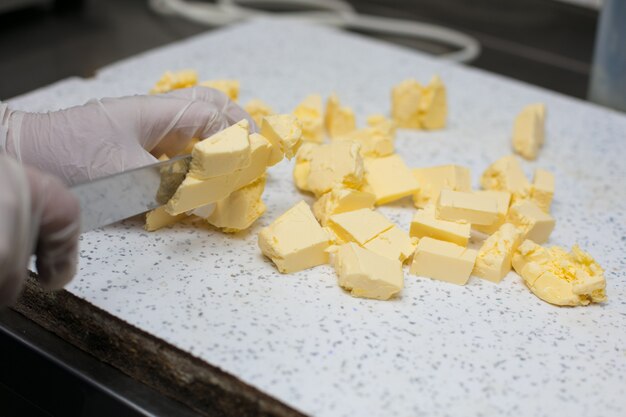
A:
(309, 112)
(382, 124)
(506, 175)
(375, 143)
(366, 274)
(175, 80)
(529, 130)
(536, 224)
(443, 261)
(338, 120)
(542, 189)
(459, 206)
(240, 209)
(358, 226)
(494, 257)
(258, 109)
(433, 179)
(336, 163)
(223, 153)
(228, 87)
(393, 243)
(194, 192)
(559, 277)
(341, 200)
(433, 105)
(503, 199)
(426, 224)
(284, 133)
(159, 218)
(302, 167)
(295, 240)
(389, 179)
(260, 149)
(405, 104)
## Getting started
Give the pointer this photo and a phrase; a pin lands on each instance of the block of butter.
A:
(542, 189)
(302, 167)
(559, 277)
(393, 243)
(389, 179)
(240, 209)
(340, 200)
(159, 218)
(503, 199)
(426, 224)
(309, 112)
(529, 130)
(223, 153)
(260, 149)
(295, 240)
(382, 124)
(358, 226)
(338, 120)
(367, 274)
(506, 174)
(194, 192)
(284, 133)
(433, 179)
(494, 257)
(228, 87)
(460, 206)
(258, 109)
(175, 80)
(433, 105)
(375, 143)
(443, 261)
(336, 163)
(536, 224)
(405, 104)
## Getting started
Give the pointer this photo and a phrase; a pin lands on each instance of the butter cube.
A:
(336, 163)
(433, 179)
(529, 130)
(228, 87)
(393, 243)
(542, 189)
(366, 274)
(194, 192)
(175, 80)
(295, 240)
(284, 133)
(302, 167)
(405, 104)
(536, 224)
(506, 175)
(260, 149)
(338, 120)
(341, 200)
(258, 109)
(503, 199)
(426, 224)
(240, 209)
(433, 105)
(389, 179)
(459, 206)
(358, 226)
(559, 277)
(309, 112)
(382, 124)
(374, 142)
(494, 257)
(443, 261)
(159, 218)
(223, 153)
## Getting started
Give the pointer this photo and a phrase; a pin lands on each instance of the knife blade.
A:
(116, 197)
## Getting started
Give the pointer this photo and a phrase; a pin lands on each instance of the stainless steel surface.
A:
(120, 196)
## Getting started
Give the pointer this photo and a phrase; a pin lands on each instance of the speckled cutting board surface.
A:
(438, 349)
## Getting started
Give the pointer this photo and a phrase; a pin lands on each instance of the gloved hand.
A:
(110, 135)
(37, 215)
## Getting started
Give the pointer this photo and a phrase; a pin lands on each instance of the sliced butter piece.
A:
(284, 133)
(341, 200)
(389, 179)
(503, 200)
(506, 174)
(536, 224)
(443, 261)
(433, 105)
(240, 209)
(426, 224)
(194, 192)
(375, 143)
(338, 120)
(459, 206)
(382, 124)
(542, 189)
(258, 109)
(309, 112)
(159, 218)
(175, 80)
(336, 163)
(529, 130)
(393, 243)
(358, 226)
(433, 179)
(494, 257)
(228, 87)
(405, 104)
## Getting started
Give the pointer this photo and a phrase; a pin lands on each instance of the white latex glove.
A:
(110, 135)
(37, 215)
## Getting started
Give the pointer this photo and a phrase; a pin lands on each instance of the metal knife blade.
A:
(110, 199)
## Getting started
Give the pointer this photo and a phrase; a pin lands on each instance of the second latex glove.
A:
(111, 135)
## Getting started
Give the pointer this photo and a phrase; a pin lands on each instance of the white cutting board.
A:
(439, 349)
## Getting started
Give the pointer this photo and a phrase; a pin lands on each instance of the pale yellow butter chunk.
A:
(529, 130)
(260, 149)
(494, 257)
(536, 224)
(443, 261)
(194, 192)
(336, 163)
(295, 240)
(358, 226)
(258, 109)
(426, 224)
(340, 200)
(310, 113)
(389, 179)
(374, 142)
(393, 243)
(240, 209)
(284, 133)
(542, 189)
(338, 120)
(382, 124)
(302, 167)
(433, 106)
(503, 200)
(433, 179)
(405, 104)
(506, 175)
(459, 206)
(223, 153)
(367, 274)
(159, 218)
(559, 277)
(175, 80)
(228, 87)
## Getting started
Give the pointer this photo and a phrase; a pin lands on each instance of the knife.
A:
(116, 197)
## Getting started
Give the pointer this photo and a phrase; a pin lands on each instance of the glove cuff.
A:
(4, 126)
